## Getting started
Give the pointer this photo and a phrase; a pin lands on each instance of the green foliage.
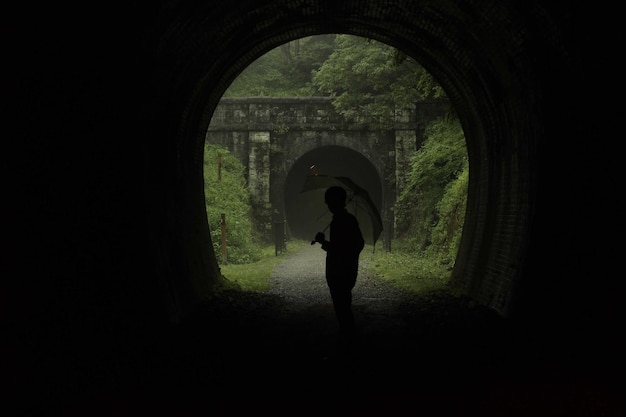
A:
(229, 196)
(368, 79)
(431, 210)
(284, 71)
(409, 271)
(371, 79)
(446, 234)
(255, 276)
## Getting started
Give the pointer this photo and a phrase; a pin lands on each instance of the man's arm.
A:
(321, 238)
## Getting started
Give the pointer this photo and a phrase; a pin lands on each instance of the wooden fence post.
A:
(219, 167)
(223, 242)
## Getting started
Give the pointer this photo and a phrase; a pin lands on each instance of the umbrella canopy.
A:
(358, 202)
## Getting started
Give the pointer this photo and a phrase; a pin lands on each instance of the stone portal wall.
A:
(269, 134)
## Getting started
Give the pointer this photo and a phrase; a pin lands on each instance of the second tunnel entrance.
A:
(305, 218)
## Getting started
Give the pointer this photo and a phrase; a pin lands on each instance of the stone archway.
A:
(302, 219)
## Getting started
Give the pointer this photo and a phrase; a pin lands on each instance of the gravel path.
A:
(300, 279)
(379, 308)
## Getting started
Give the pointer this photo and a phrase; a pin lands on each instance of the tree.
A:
(371, 79)
(285, 70)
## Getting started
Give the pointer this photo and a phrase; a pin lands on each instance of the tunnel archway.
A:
(303, 219)
(470, 60)
(107, 233)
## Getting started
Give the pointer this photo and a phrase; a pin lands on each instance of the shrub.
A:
(229, 196)
(446, 233)
(431, 210)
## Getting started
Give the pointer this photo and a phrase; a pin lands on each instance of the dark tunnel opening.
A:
(304, 217)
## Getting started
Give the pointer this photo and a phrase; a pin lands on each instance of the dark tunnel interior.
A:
(305, 215)
(111, 295)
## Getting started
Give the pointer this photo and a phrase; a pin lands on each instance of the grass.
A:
(411, 272)
(255, 276)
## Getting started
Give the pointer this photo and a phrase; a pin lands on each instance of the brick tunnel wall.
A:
(105, 232)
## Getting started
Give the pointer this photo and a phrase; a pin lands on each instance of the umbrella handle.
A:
(313, 242)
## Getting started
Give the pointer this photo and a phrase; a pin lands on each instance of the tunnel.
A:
(107, 243)
(305, 212)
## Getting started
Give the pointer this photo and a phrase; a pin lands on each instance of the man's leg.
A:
(342, 302)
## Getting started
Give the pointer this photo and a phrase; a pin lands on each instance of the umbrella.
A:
(358, 202)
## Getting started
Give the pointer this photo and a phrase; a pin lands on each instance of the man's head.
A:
(335, 199)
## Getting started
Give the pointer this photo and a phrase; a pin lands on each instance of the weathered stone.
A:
(295, 126)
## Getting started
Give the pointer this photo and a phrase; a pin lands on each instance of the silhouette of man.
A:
(342, 258)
